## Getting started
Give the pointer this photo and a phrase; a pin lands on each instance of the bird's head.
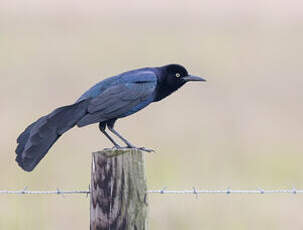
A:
(175, 76)
(172, 77)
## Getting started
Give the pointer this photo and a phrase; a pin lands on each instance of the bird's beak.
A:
(193, 78)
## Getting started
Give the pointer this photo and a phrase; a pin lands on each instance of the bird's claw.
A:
(116, 147)
(140, 148)
(132, 147)
(145, 149)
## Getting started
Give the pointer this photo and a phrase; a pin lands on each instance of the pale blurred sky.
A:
(274, 11)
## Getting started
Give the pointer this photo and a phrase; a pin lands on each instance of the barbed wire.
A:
(164, 190)
(227, 191)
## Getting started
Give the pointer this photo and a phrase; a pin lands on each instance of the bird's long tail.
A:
(37, 138)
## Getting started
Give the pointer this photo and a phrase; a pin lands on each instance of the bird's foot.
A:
(131, 147)
(114, 147)
(141, 148)
(146, 149)
(117, 147)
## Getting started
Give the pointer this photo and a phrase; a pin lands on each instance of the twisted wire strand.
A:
(164, 190)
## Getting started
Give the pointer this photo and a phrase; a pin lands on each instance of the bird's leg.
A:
(102, 127)
(110, 126)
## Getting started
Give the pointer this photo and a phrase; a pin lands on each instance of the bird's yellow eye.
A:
(178, 75)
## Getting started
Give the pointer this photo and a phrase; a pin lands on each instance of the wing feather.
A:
(118, 101)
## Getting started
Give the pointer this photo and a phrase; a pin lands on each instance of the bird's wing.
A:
(144, 74)
(119, 101)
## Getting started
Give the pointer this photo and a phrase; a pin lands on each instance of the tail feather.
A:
(38, 138)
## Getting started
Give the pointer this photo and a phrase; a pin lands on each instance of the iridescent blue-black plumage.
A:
(113, 98)
(119, 96)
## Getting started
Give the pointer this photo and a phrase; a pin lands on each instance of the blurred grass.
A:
(241, 129)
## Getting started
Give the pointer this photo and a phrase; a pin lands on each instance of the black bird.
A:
(115, 97)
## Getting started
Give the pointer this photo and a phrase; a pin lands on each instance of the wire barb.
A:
(163, 190)
(228, 191)
(24, 190)
(294, 191)
(261, 191)
(195, 192)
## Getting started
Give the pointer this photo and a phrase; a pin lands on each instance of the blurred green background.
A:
(241, 129)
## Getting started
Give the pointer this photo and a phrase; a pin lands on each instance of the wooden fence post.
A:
(118, 190)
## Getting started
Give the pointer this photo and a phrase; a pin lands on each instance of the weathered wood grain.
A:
(118, 190)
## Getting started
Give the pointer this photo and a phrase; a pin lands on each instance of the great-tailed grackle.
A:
(115, 97)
